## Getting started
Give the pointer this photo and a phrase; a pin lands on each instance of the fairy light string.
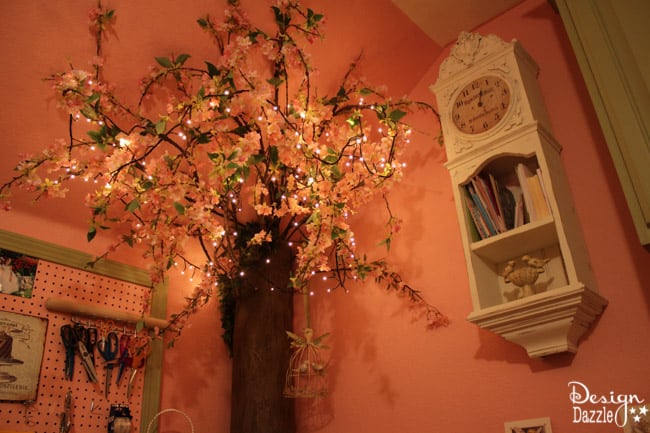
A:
(233, 161)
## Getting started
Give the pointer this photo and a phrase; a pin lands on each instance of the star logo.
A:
(638, 413)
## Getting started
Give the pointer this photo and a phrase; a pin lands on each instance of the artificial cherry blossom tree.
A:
(237, 156)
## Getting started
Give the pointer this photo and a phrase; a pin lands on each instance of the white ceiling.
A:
(443, 20)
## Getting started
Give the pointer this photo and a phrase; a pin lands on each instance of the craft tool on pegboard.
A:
(89, 403)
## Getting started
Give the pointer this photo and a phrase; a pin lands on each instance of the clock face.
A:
(481, 104)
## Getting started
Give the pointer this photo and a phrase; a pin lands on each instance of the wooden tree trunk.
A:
(261, 350)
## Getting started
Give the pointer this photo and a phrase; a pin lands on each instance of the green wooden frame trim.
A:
(618, 89)
(79, 260)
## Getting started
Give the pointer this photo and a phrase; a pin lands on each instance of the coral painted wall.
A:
(387, 372)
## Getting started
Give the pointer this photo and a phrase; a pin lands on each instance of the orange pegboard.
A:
(90, 408)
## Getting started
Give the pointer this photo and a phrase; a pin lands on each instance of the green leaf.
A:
(313, 18)
(164, 62)
(282, 20)
(203, 138)
(203, 23)
(129, 241)
(215, 157)
(92, 98)
(275, 81)
(396, 115)
(179, 208)
(213, 71)
(338, 233)
(233, 155)
(161, 126)
(89, 112)
(366, 91)
(353, 121)
(92, 232)
(181, 59)
(252, 35)
(241, 130)
(335, 173)
(95, 135)
(255, 159)
(274, 154)
(133, 205)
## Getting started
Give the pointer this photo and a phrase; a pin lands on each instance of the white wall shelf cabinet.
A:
(494, 121)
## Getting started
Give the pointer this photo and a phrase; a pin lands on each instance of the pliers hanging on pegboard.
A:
(69, 342)
(73, 340)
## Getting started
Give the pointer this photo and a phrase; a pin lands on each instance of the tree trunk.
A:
(263, 312)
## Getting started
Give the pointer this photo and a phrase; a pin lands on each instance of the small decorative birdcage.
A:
(306, 375)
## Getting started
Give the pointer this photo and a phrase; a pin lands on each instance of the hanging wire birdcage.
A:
(306, 375)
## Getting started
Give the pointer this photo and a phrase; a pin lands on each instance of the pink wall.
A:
(388, 374)
(462, 378)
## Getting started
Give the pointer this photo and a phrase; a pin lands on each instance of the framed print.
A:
(17, 272)
(537, 425)
(22, 339)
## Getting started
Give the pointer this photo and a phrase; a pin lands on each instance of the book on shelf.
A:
(498, 203)
(480, 230)
(541, 181)
(523, 173)
(537, 196)
(488, 198)
(535, 199)
(519, 211)
(506, 203)
(485, 216)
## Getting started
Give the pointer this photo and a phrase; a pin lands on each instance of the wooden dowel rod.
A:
(63, 305)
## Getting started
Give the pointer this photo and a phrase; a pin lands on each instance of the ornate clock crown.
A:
(469, 49)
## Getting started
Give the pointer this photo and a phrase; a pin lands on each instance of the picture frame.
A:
(535, 425)
(17, 273)
(22, 340)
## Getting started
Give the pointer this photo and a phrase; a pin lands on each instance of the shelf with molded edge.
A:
(518, 241)
(544, 323)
